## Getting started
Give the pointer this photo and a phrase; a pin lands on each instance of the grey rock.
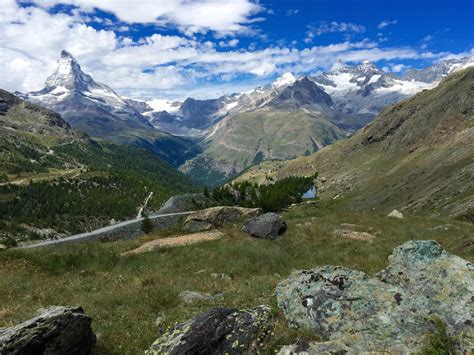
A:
(185, 203)
(217, 331)
(233, 192)
(266, 226)
(55, 330)
(194, 296)
(217, 217)
(395, 214)
(392, 311)
(327, 347)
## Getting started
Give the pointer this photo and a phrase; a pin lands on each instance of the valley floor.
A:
(125, 295)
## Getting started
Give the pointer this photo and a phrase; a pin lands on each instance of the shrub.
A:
(147, 225)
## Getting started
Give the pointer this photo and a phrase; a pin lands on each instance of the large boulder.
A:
(54, 330)
(266, 226)
(217, 217)
(217, 331)
(391, 312)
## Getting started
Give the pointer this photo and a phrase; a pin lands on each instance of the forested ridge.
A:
(113, 181)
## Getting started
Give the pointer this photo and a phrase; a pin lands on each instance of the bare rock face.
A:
(55, 330)
(217, 217)
(217, 331)
(267, 226)
(391, 312)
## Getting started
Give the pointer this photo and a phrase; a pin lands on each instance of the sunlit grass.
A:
(124, 295)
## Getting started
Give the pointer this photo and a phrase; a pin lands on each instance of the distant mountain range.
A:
(215, 139)
(96, 109)
(416, 156)
(362, 90)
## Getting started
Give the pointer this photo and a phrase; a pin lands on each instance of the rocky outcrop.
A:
(232, 192)
(266, 226)
(55, 330)
(391, 312)
(217, 217)
(185, 203)
(395, 214)
(217, 331)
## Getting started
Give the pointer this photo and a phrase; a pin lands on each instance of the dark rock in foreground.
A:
(55, 330)
(217, 331)
(391, 312)
(266, 226)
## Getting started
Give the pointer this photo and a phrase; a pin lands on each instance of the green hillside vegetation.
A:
(417, 156)
(270, 197)
(116, 181)
(54, 177)
(125, 295)
(247, 138)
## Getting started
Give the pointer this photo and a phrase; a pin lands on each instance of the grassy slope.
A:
(125, 295)
(247, 138)
(416, 156)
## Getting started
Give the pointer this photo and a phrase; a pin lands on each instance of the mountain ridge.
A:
(416, 156)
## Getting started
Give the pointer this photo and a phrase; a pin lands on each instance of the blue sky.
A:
(176, 48)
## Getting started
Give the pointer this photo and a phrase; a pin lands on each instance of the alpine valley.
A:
(214, 140)
(236, 177)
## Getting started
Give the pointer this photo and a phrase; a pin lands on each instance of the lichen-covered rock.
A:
(55, 330)
(266, 226)
(392, 311)
(217, 217)
(327, 347)
(217, 331)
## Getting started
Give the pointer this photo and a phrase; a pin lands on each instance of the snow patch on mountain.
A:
(158, 105)
(284, 80)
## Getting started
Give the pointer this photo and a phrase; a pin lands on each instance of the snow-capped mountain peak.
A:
(438, 71)
(68, 74)
(366, 66)
(284, 80)
(70, 91)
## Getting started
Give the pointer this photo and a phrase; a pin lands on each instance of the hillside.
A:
(56, 181)
(416, 156)
(247, 138)
(131, 299)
